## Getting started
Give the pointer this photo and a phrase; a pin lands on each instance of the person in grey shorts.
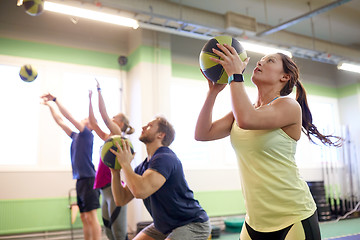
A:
(159, 180)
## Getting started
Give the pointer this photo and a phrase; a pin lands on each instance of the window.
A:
(19, 117)
(324, 112)
(30, 130)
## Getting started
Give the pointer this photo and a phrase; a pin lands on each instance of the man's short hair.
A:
(165, 127)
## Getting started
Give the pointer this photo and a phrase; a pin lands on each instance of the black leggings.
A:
(309, 225)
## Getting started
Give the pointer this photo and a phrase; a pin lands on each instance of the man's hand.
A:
(123, 154)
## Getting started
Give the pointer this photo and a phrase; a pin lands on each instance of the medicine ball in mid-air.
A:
(33, 7)
(108, 158)
(28, 73)
(212, 70)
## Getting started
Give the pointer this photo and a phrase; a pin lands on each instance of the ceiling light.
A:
(258, 48)
(90, 14)
(349, 67)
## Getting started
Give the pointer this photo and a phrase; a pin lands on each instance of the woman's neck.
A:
(266, 98)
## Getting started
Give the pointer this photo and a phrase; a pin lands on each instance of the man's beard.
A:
(146, 139)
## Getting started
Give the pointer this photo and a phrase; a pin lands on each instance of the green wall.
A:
(143, 53)
(221, 203)
(51, 214)
(35, 215)
(193, 72)
(43, 51)
(50, 52)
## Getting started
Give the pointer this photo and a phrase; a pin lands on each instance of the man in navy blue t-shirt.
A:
(159, 180)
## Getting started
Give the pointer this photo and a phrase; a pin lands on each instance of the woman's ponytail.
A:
(308, 127)
(129, 130)
(307, 122)
(126, 129)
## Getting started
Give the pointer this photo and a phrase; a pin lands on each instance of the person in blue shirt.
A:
(82, 167)
(159, 180)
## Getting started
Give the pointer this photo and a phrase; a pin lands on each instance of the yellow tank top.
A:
(275, 194)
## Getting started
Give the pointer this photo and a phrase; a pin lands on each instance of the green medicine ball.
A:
(212, 70)
(108, 158)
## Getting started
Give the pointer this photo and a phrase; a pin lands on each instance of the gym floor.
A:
(348, 229)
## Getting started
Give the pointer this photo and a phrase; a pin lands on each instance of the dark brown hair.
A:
(308, 127)
(127, 129)
(165, 127)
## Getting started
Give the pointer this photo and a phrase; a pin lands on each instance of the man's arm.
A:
(122, 194)
(143, 186)
(140, 186)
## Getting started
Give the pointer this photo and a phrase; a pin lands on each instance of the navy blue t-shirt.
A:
(81, 154)
(173, 205)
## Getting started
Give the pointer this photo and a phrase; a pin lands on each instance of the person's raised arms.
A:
(58, 118)
(206, 129)
(49, 97)
(92, 120)
(114, 129)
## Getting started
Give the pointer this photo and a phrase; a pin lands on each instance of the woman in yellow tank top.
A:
(278, 202)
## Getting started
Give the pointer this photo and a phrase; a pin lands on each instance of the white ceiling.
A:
(330, 36)
(339, 25)
(335, 32)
